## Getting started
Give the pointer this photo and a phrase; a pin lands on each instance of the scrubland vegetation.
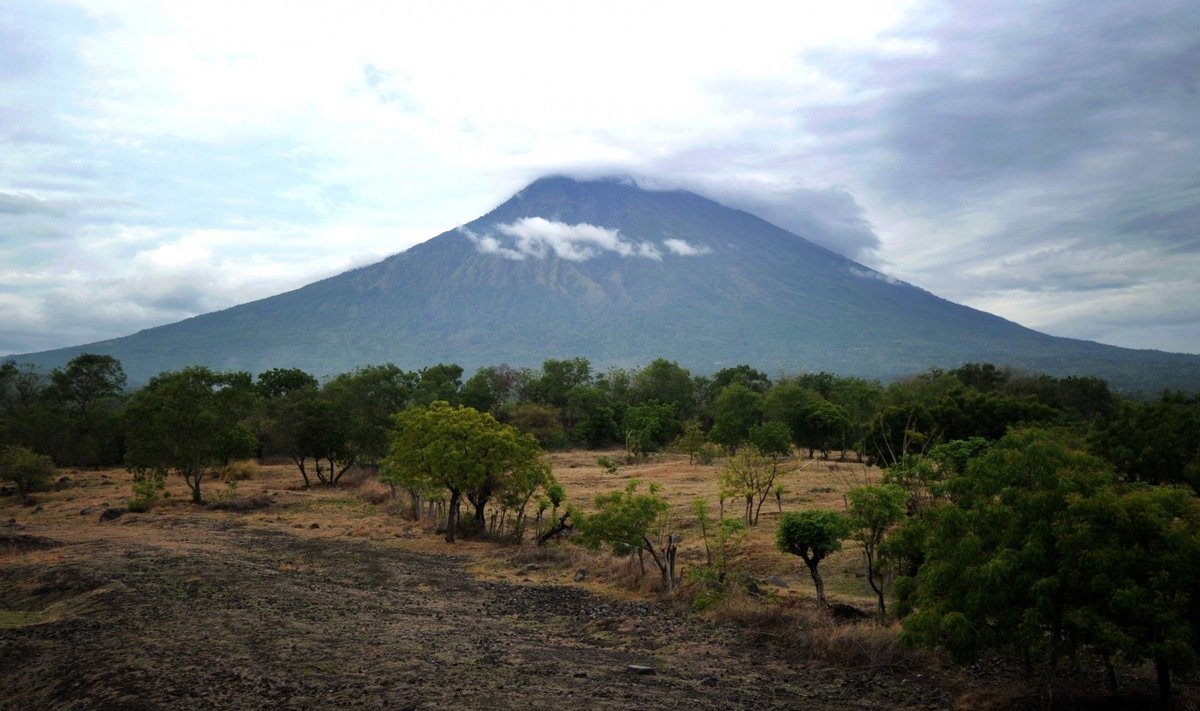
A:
(1044, 524)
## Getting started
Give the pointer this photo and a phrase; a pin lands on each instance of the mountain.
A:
(621, 275)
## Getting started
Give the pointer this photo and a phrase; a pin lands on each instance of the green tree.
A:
(1132, 556)
(87, 379)
(278, 382)
(812, 535)
(752, 472)
(994, 569)
(26, 468)
(187, 422)
(541, 421)
(665, 382)
(629, 522)
(360, 407)
(460, 450)
(874, 510)
(736, 409)
(650, 427)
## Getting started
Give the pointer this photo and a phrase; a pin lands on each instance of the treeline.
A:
(81, 415)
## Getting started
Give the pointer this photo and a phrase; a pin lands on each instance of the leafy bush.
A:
(26, 468)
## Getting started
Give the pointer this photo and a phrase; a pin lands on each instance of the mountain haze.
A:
(621, 275)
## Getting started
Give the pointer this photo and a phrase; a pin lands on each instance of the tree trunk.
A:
(1110, 672)
(194, 482)
(749, 510)
(1163, 669)
(818, 583)
(300, 463)
(452, 515)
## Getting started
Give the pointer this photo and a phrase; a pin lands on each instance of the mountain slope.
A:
(620, 275)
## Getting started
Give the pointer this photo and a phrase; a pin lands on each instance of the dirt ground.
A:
(324, 600)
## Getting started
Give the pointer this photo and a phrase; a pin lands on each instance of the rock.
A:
(88, 510)
(581, 575)
(776, 581)
(708, 681)
(314, 525)
(640, 670)
(64, 480)
(39, 509)
(581, 675)
(842, 611)
(112, 513)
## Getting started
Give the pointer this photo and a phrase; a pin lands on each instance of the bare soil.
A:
(324, 600)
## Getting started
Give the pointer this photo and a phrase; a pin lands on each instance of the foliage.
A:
(735, 410)
(187, 422)
(874, 510)
(691, 442)
(812, 535)
(1157, 442)
(541, 421)
(1041, 550)
(751, 476)
(26, 468)
(463, 451)
(627, 522)
(649, 427)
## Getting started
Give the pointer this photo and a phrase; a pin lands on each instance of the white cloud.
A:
(684, 249)
(538, 237)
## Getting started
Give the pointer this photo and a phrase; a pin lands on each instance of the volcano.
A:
(621, 275)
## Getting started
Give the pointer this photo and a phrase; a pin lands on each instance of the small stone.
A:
(581, 675)
(88, 510)
(776, 581)
(581, 575)
(640, 670)
(708, 681)
(314, 525)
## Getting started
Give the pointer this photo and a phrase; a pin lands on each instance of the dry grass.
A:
(806, 631)
(816, 483)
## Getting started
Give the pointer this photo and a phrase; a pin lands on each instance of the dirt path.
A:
(212, 615)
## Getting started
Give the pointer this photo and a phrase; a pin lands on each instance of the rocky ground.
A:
(323, 600)
(221, 615)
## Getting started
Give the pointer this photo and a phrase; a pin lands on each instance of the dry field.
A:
(324, 599)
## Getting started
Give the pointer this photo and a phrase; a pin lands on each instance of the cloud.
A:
(538, 237)
(684, 249)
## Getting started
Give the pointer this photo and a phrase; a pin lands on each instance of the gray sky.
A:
(1039, 160)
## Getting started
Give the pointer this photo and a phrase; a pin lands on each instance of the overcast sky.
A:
(1039, 160)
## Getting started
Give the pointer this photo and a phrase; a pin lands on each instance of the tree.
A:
(87, 379)
(26, 468)
(187, 422)
(629, 522)
(541, 421)
(278, 382)
(752, 472)
(736, 409)
(1042, 550)
(437, 382)
(1133, 554)
(753, 379)
(873, 511)
(649, 427)
(460, 450)
(361, 405)
(995, 573)
(812, 535)
(665, 382)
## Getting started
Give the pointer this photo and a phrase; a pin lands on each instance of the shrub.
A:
(26, 468)
(242, 470)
